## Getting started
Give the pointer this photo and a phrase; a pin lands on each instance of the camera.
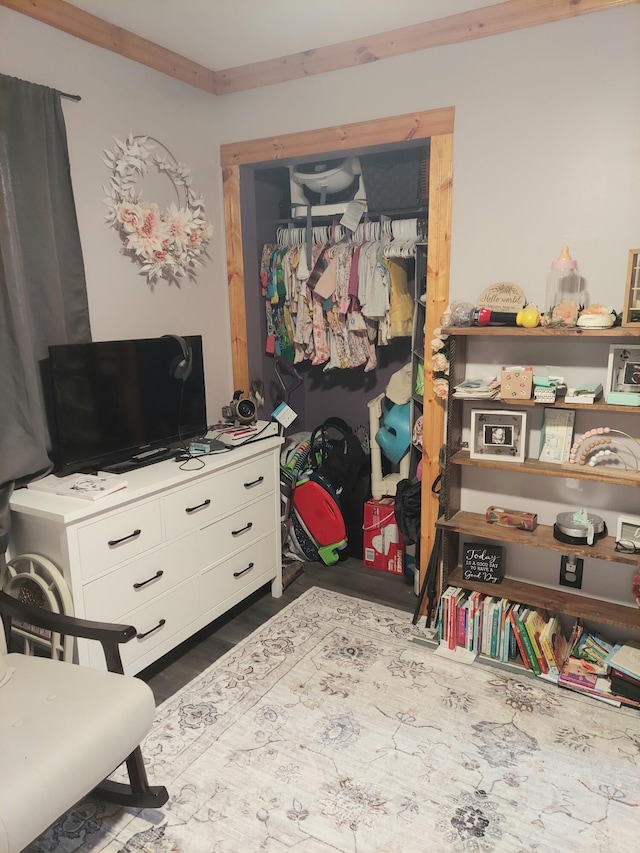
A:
(240, 410)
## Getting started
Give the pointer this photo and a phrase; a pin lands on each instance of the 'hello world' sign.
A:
(482, 562)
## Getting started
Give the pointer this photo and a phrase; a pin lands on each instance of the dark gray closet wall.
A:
(265, 198)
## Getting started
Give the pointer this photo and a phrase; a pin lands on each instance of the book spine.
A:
(533, 660)
(550, 658)
(533, 637)
(519, 643)
(495, 631)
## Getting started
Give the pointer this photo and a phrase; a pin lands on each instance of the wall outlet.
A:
(571, 571)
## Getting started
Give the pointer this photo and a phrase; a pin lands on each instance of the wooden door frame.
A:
(436, 125)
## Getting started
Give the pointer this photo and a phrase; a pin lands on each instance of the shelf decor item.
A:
(597, 446)
(556, 435)
(498, 435)
(623, 376)
(631, 307)
(628, 534)
(167, 243)
(482, 562)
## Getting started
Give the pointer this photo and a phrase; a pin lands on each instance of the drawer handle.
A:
(242, 529)
(191, 509)
(146, 633)
(113, 542)
(253, 483)
(140, 584)
(244, 571)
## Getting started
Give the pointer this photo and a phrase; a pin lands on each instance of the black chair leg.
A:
(138, 793)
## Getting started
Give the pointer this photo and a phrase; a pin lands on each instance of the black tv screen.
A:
(113, 400)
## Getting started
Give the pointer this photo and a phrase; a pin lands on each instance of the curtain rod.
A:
(70, 97)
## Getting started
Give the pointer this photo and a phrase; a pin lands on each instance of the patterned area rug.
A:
(331, 729)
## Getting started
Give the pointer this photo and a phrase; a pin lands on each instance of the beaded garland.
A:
(601, 448)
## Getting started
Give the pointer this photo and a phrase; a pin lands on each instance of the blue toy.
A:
(394, 436)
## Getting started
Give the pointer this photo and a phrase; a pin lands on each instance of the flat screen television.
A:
(111, 401)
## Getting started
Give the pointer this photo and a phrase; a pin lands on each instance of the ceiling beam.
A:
(453, 29)
(70, 19)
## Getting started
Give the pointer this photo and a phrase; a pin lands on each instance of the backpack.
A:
(339, 456)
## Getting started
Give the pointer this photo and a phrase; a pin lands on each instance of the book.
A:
(88, 487)
(554, 644)
(526, 640)
(625, 657)
(534, 625)
(513, 618)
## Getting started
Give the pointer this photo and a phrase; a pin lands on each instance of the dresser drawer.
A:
(235, 531)
(119, 537)
(155, 624)
(135, 584)
(199, 504)
(231, 575)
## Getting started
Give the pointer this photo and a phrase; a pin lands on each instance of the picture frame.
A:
(631, 306)
(556, 435)
(498, 434)
(623, 370)
(628, 527)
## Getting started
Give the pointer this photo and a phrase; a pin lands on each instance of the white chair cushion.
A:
(58, 739)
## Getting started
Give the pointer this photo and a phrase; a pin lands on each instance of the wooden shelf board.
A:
(474, 524)
(543, 332)
(548, 469)
(555, 601)
(598, 406)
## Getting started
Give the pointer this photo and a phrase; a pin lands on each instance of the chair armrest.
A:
(109, 635)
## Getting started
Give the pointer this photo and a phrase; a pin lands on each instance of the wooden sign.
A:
(482, 562)
(504, 296)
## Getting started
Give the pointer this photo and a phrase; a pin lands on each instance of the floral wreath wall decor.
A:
(169, 243)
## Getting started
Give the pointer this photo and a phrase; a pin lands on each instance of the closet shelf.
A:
(419, 212)
(474, 524)
(549, 469)
(554, 600)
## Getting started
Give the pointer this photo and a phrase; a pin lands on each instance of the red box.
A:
(383, 542)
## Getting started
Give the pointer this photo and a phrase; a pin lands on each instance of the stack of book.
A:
(478, 389)
(502, 630)
(624, 671)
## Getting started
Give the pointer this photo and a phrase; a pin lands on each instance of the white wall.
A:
(546, 142)
(118, 97)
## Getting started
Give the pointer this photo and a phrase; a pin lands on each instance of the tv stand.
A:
(141, 460)
(172, 551)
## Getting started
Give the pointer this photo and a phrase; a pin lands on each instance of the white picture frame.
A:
(498, 434)
(556, 435)
(623, 369)
(628, 527)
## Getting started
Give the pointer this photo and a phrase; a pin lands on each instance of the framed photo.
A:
(556, 435)
(628, 529)
(623, 373)
(498, 434)
(631, 307)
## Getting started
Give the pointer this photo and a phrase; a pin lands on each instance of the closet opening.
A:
(260, 204)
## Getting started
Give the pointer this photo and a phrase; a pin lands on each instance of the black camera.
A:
(240, 410)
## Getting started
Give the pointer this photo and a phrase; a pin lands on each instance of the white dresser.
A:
(169, 553)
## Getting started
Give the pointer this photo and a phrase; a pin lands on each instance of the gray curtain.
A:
(43, 298)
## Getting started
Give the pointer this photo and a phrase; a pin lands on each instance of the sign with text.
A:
(482, 562)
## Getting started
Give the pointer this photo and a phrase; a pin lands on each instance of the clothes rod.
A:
(70, 97)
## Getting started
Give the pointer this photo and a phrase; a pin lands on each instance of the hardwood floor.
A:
(350, 577)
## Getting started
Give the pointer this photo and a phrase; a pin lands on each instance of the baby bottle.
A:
(564, 291)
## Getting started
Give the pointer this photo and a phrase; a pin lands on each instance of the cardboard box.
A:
(383, 543)
(516, 383)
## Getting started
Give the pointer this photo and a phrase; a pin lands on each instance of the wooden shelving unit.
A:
(457, 522)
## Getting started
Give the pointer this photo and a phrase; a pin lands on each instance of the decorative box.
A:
(518, 518)
(516, 383)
